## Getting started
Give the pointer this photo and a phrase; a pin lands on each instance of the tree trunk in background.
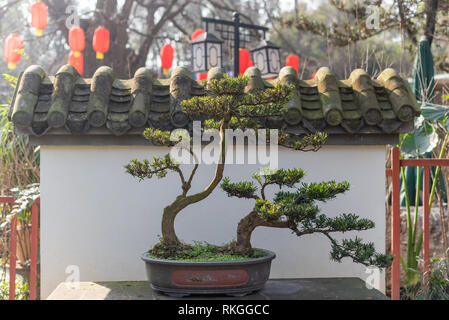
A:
(431, 16)
(121, 57)
(118, 57)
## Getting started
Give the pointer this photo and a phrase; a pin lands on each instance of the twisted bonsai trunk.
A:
(170, 212)
(246, 227)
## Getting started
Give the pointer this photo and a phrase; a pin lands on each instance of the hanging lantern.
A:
(266, 59)
(101, 42)
(77, 40)
(39, 17)
(206, 52)
(244, 60)
(77, 61)
(292, 61)
(196, 34)
(167, 55)
(201, 76)
(12, 50)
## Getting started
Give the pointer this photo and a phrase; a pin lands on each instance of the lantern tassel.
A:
(39, 32)
(165, 72)
(100, 56)
(12, 65)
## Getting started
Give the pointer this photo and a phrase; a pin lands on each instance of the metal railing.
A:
(395, 172)
(13, 248)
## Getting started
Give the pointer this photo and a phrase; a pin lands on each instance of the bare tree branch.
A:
(4, 9)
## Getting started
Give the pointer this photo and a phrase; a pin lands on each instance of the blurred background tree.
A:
(334, 33)
(330, 33)
(349, 29)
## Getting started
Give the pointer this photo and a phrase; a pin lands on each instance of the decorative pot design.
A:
(182, 278)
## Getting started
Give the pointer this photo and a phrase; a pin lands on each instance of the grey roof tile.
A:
(358, 105)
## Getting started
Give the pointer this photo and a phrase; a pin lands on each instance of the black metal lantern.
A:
(206, 52)
(267, 59)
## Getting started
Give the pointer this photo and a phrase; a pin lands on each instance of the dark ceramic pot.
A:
(182, 278)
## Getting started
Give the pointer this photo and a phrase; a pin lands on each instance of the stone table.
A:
(275, 289)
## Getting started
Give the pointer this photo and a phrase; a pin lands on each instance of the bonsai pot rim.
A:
(270, 256)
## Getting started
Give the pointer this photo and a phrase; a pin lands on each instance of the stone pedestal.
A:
(285, 289)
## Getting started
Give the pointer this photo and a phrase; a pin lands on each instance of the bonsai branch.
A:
(264, 185)
(246, 227)
(192, 174)
(298, 212)
(182, 201)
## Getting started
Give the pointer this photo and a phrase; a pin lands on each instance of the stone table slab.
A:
(275, 289)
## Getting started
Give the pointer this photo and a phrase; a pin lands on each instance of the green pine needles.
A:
(298, 211)
(229, 105)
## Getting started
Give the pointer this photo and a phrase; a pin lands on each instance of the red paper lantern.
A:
(101, 42)
(244, 60)
(12, 50)
(77, 61)
(292, 61)
(39, 17)
(167, 55)
(77, 40)
(202, 76)
(196, 34)
(313, 75)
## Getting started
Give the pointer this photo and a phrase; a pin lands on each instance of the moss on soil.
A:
(201, 252)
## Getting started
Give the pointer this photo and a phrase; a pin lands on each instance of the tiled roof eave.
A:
(404, 127)
(105, 105)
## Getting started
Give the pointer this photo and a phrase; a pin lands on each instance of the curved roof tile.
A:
(358, 105)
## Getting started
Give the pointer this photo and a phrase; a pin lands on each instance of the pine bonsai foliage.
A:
(226, 105)
(298, 211)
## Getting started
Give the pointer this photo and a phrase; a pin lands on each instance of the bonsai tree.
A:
(226, 105)
(298, 211)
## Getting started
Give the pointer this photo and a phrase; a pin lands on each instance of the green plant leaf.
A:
(423, 139)
(434, 112)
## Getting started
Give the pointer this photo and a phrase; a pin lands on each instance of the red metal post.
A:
(34, 240)
(426, 226)
(12, 246)
(12, 257)
(395, 224)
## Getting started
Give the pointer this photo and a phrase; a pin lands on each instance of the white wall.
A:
(97, 217)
